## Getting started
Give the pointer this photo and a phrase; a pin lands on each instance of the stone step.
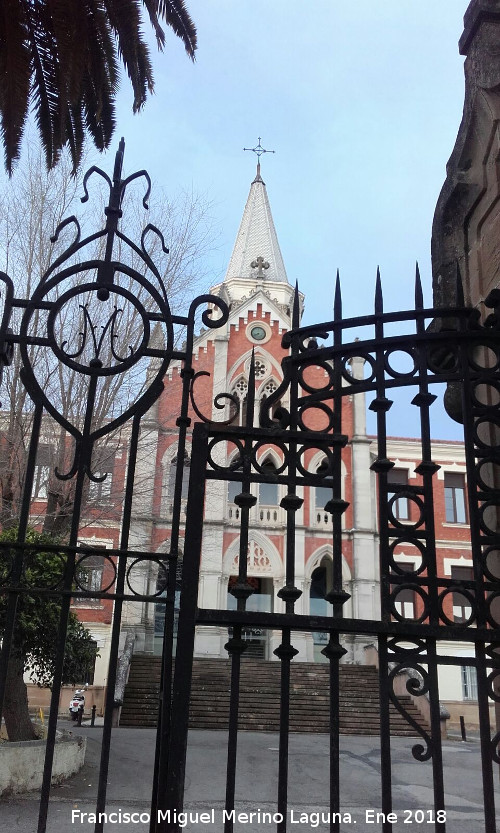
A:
(259, 706)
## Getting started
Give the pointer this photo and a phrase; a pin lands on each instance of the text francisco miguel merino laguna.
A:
(212, 816)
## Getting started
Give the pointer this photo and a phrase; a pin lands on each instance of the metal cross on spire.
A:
(259, 150)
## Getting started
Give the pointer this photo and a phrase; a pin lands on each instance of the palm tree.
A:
(63, 56)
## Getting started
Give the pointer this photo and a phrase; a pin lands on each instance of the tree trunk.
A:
(15, 712)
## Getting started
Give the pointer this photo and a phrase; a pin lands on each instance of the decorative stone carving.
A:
(466, 228)
(257, 560)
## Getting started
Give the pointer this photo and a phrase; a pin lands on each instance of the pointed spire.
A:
(256, 248)
(379, 301)
(419, 297)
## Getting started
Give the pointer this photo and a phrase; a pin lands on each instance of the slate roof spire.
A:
(256, 253)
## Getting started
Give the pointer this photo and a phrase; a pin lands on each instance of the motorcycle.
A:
(77, 704)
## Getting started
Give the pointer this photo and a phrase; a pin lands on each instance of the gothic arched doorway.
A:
(321, 584)
(261, 600)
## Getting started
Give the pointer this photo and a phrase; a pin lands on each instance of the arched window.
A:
(240, 391)
(268, 492)
(267, 390)
(321, 584)
(322, 494)
(172, 471)
(161, 592)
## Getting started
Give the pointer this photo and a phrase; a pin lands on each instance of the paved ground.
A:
(132, 761)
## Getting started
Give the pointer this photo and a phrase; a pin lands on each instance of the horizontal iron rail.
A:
(303, 622)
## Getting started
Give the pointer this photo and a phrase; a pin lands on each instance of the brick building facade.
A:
(260, 297)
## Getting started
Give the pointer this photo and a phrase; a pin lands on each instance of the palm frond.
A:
(125, 20)
(176, 15)
(45, 80)
(15, 75)
(62, 56)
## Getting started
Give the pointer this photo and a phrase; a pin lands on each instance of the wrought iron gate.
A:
(317, 382)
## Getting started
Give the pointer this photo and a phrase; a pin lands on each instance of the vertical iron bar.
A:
(235, 646)
(336, 597)
(83, 452)
(286, 653)
(427, 469)
(171, 796)
(241, 591)
(289, 593)
(163, 727)
(116, 626)
(485, 737)
(380, 405)
(437, 750)
(385, 732)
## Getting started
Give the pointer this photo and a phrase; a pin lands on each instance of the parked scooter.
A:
(77, 704)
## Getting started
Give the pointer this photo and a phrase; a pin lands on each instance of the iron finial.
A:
(259, 150)
(117, 171)
(379, 301)
(419, 298)
(337, 303)
(296, 307)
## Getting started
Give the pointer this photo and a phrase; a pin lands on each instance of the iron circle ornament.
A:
(369, 364)
(85, 563)
(416, 588)
(466, 594)
(486, 430)
(491, 466)
(484, 356)
(399, 567)
(143, 564)
(273, 446)
(398, 353)
(412, 499)
(490, 558)
(316, 368)
(230, 461)
(304, 468)
(495, 746)
(486, 395)
(95, 366)
(492, 602)
(316, 411)
(493, 679)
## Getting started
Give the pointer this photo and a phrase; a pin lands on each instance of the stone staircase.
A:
(260, 697)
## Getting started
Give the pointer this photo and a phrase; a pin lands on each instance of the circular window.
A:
(258, 333)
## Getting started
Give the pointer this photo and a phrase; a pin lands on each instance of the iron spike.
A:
(379, 301)
(117, 172)
(296, 308)
(251, 391)
(419, 297)
(337, 303)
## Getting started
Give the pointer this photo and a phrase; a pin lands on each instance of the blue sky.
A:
(361, 102)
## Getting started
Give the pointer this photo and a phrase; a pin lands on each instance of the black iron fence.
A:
(305, 413)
